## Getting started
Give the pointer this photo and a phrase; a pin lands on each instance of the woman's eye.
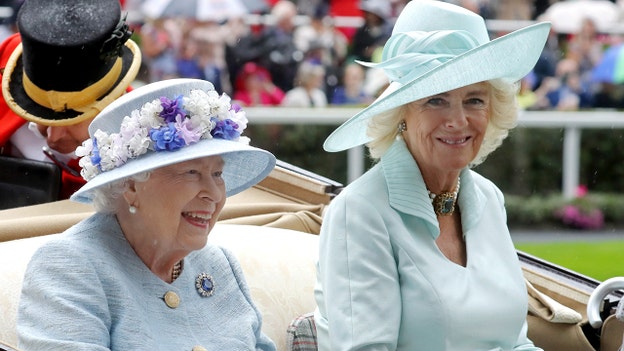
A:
(218, 174)
(476, 102)
(435, 101)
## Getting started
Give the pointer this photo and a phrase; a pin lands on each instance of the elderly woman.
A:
(138, 275)
(409, 260)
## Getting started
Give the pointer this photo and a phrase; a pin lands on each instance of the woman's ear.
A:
(130, 194)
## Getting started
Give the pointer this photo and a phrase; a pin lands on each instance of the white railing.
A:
(571, 122)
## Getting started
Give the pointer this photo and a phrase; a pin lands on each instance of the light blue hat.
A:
(165, 123)
(436, 47)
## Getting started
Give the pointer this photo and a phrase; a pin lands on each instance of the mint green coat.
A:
(383, 284)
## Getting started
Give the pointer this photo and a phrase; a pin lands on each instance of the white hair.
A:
(106, 197)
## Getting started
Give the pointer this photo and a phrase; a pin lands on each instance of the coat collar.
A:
(408, 193)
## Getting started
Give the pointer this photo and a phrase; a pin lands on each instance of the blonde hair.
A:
(383, 128)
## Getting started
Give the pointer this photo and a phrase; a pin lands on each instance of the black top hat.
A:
(75, 58)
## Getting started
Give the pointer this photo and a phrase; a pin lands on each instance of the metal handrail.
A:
(572, 122)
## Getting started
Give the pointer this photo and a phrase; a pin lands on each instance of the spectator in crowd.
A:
(351, 91)
(527, 98)
(323, 44)
(74, 59)
(311, 7)
(546, 65)
(321, 34)
(243, 44)
(160, 40)
(254, 87)
(187, 61)
(279, 54)
(565, 91)
(212, 38)
(309, 87)
(375, 30)
(585, 50)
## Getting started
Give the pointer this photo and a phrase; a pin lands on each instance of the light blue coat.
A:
(383, 284)
(88, 290)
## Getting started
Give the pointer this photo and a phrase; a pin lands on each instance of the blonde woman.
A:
(415, 254)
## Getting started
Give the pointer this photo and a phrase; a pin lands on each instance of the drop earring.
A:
(402, 127)
(132, 209)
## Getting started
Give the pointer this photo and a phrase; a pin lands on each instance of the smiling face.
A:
(179, 205)
(445, 131)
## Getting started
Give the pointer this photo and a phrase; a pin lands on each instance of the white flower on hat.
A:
(136, 136)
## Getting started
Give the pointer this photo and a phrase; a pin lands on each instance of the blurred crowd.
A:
(287, 61)
(575, 72)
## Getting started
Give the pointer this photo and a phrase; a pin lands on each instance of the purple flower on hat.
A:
(172, 108)
(225, 129)
(166, 138)
(186, 131)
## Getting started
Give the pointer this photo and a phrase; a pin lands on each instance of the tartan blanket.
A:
(301, 334)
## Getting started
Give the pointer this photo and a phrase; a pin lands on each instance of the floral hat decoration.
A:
(436, 47)
(168, 122)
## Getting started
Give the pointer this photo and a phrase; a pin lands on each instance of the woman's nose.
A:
(457, 117)
(212, 191)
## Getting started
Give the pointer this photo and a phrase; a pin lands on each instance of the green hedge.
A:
(530, 161)
(527, 167)
(541, 211)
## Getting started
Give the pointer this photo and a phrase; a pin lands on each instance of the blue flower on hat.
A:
(166, 138)
(225, 129)
(95, 155)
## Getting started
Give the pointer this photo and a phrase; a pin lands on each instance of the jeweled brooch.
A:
(204, 285)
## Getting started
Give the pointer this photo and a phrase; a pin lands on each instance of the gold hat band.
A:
(73, 100)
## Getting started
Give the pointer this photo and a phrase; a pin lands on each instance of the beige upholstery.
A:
(253, 206)
(270, 228)
(14, 256)
(279, 265)
(558, 315)
(283, 200)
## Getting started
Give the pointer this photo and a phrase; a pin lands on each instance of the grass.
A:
(600, 260)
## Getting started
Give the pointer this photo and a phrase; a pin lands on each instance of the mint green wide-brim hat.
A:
(133, 122)
(436, 47)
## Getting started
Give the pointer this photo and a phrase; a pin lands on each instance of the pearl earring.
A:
(132, 209)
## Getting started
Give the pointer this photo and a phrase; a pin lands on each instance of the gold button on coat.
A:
(199, 348)
(172, 299)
